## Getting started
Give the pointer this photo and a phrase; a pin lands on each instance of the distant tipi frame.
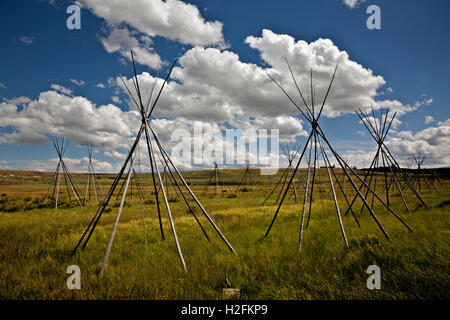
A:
(419, 175)
(246, 180)
(384, 161)
(282, 181)
(92, 185)
(62, 172)
(168, 183)
(134, 182)
(436, 178)
(217, 181)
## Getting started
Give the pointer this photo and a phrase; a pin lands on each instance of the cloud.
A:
(3, 86)
(211, 85)
(122, 41)
(375, 121)
(132, 24)
(200, 94)
(360, 158)
(352, 3)
(429, 119)
(172, 19)
(57, 114)
(61, 89)
(54, 3)
(116, 99)
(215, 86)
(425, 102)
(388, 91)
(100, 85)
(74, 165)
(4, 165)
(114, 154)
(354, 87)
(77, 82)
(431, 142)
(27, 40)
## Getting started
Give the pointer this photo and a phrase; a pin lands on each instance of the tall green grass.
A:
(35, 245)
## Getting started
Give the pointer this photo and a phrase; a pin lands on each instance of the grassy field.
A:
(36, 241)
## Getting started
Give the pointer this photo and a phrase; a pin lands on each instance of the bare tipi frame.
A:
(290, 156)
(384, 160)
(316, 142)
(436, 178)
(62, 171)
(92, 182)
(419, 175)
(168, 183)
(135, 181)
(245, 180)
(217, 180)
(152, 142)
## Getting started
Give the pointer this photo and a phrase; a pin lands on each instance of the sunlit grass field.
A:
(35, 244)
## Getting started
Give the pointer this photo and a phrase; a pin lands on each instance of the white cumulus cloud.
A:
(61, 89)
(429, 119)
(172, 19)
(353, 3)
(432, 142)
(27, 40)
(58, 114)
(122, 41)
(77, 82)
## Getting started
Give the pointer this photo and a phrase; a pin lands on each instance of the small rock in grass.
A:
(230, 292)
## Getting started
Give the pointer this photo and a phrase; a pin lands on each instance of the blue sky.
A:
(410, 53)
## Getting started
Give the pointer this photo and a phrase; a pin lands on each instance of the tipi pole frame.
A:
(328, 164)
(305, 198)
(153, 167)
(380, 137)
(184, 197)
(116, 221)
(287, 189)
(316, 129)
(52, 182)
(207, 184)
(224, 239)
(397, 184)
(61, 170)
(93, 223)
(166, 202)
(334, 195)
(146, 128)
(339, 159)
(313, 177)
(276, 186)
